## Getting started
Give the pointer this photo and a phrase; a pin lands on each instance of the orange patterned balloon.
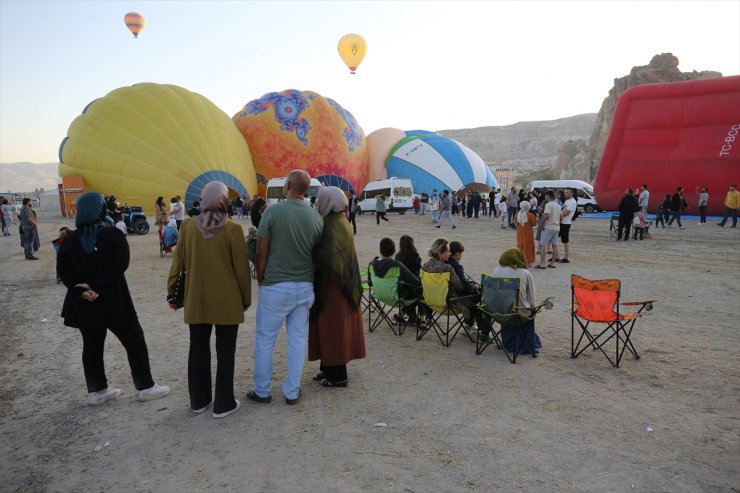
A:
(303, 130)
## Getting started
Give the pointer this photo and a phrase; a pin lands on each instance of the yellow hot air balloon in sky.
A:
(134, 22)
(352, 48)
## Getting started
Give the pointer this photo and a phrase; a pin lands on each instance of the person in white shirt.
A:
(566, 217)
(642, 200)
(551, 226)
(120, 224)
(502, 210)
(177, 210)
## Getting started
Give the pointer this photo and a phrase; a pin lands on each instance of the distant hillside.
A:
(525, 146)
(27, 177)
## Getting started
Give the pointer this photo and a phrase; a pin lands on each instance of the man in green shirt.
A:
(286, 237)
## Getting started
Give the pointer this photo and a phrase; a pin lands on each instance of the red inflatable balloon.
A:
(674, 134)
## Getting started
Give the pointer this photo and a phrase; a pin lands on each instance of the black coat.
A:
(677, 202)
(627, 206)
(103, 270)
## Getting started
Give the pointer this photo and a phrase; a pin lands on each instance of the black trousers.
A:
(676, 217)
(624, 224)
(199, 367)
(729, 212)
(353, 222)
(132, 338)
(379, 216)
(702, 213)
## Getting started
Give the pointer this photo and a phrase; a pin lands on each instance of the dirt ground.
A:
(454, 421)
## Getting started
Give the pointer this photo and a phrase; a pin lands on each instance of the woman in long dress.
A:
(335, 331)
(525, 223)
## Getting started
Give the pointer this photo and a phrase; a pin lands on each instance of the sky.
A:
(430, 65)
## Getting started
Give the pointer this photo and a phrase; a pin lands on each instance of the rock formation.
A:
(662, 68)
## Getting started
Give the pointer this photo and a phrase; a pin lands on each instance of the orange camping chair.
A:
(597, 302)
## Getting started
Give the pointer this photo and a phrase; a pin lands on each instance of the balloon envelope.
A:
(148, 140)
(303, 130)
(673, 134)
(432, 161)
(352, 49)
(134, 22)
(379, 146)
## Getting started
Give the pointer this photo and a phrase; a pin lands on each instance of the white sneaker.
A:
(103, 396)
(153, 392)
(223, 415)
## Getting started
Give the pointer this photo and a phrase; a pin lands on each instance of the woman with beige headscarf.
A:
(335, 331)
(218, 290)
(525, 223)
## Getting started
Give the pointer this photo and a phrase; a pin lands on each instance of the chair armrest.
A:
(636, 303)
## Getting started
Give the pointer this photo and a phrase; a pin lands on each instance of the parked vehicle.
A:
(134, 218)
(584, 192)
(398, 192)
(275, 190)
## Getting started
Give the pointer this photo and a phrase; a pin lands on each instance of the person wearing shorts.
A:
(566, 217)
(551, 227)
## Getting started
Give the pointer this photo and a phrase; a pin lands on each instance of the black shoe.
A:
(319, 376)
(262, 400)
(32, 258)
(329, 383)
(293, 402)
(720, 225)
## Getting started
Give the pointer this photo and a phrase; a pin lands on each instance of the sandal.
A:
(550, 266)
(539, 267)
(319, 376)
(329, 383)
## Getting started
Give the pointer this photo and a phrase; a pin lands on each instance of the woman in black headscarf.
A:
(91, 264)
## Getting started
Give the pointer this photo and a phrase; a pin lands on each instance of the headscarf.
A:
(213, 205)
(172, 222)
(522, 215)
(513, 257)
(92, 216)
(331, 199)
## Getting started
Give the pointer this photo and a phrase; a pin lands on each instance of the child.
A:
(502, 210)
(57, 244)
(169, 235)
(661, 216)
(120, 224)
(639, 223)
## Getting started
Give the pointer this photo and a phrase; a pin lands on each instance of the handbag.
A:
(636, 221)
(177, 297)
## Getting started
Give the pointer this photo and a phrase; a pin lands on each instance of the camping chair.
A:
(366, 298)
(598, 302)
(614, 225)
(252, 254)
(436, 296)
(385, 299)
(499, 300)
(165, 249)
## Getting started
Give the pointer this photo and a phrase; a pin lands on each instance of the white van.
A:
(398, 192)
(275, 190)
(584, 192)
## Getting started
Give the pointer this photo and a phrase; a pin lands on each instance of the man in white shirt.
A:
(177, 210)
(643, 199)
(551, 226)
(566, 217)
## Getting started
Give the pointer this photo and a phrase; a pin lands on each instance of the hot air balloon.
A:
(673, 134)
(302, 129)
(147, 140)
(352, 49)
(134, 22)
(379, 146)
(432, 161)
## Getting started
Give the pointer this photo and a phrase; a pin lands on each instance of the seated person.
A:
(120, 224)
(252, 243)
(439, 254)
(195, 210)
(169, 235)
(409, 288)
(408, 255)
(639, 223)
(456, 251)
(513, 264)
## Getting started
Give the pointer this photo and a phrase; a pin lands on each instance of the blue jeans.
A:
(288, 301)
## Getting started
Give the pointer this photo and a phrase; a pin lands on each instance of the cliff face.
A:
(662, 68)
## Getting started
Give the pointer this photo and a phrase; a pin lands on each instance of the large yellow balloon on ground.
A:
(352, 50)
(152, 140)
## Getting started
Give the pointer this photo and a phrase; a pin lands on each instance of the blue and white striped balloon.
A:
(432, 161)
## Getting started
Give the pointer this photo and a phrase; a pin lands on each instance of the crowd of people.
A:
(306, 265)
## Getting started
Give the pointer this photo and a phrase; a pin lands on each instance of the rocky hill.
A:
(28, 177)
(525, 146)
